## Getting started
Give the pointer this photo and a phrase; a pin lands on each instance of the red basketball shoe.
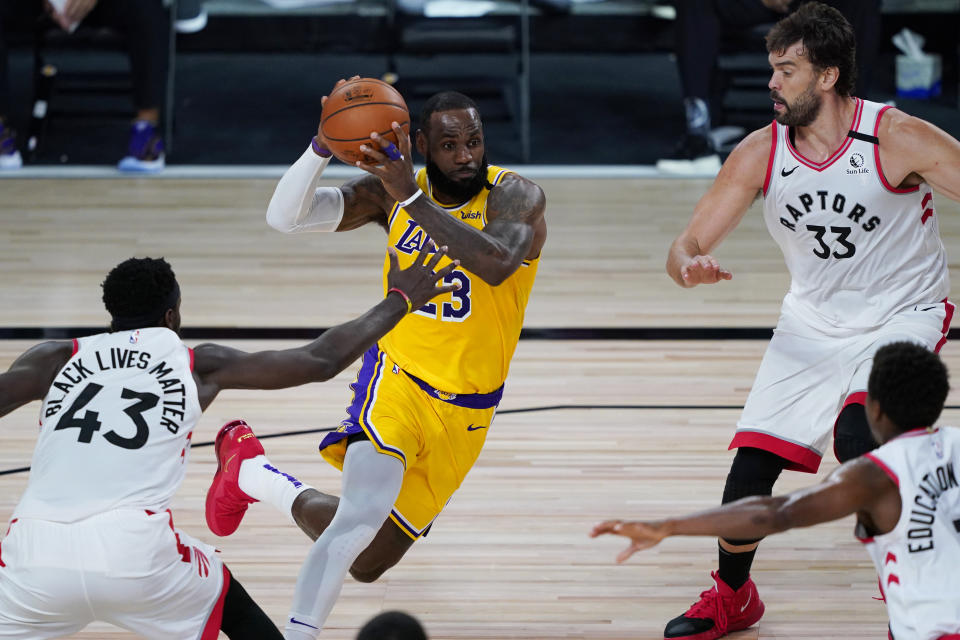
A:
(226, 502)
(719, 611)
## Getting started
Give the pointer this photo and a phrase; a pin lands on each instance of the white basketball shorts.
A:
(126, 567)
(806, 378)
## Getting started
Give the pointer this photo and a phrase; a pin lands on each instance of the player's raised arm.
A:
(859, 486)
(719, 211)
(300, 204)
(30, 375)
(218, 367)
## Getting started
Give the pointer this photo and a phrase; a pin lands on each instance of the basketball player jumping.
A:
(92, 537)
(906, 496)
(426, 394)
(847, 191)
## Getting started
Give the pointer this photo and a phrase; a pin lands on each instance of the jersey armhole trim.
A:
(887, 470)
(76, 347)
(190, 351)
(770, 160)
(393, 214)
(876, 158)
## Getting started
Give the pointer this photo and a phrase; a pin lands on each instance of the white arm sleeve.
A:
(299, 205)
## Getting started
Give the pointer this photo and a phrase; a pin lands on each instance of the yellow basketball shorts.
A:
(437, 435)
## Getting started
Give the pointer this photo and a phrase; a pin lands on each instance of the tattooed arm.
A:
(364, 200)
(516, 229)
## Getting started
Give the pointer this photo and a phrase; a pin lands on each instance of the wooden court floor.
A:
(588, 429)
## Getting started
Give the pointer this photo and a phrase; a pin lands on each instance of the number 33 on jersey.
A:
(477, 325)
(858, 248)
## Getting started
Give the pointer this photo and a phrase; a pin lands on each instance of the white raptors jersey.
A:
(115, 427)
(918, 561)
(858, 249)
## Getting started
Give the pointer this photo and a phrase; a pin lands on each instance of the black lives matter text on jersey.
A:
(923, 512)
(75, 372)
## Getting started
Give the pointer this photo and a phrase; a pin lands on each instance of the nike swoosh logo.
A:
(227, 463)
(474, 427)
(295, 621)
(928, 308)
(785, 173)
(750, 597)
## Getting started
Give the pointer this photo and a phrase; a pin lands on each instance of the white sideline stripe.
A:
(532, 171)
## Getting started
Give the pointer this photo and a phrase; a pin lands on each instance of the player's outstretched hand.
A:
(419, 280)
(392, 164)
(322, 141)
(643, 535)
(703, 270)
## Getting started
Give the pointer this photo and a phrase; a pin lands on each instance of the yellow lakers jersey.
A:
(462, 341)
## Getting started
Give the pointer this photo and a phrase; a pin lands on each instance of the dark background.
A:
(604, 88)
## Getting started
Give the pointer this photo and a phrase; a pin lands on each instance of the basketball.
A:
(356, 108)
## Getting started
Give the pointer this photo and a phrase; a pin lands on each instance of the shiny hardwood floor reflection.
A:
(602, 265)
(510, 557)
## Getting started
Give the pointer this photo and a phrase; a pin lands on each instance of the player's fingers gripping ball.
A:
(355, 109)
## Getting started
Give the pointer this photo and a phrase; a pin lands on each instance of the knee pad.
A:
(753, 473)
(851, 433)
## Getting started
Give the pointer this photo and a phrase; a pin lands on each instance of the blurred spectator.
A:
(392, 625)
(145, 26)
(701, 24)
(191, 16)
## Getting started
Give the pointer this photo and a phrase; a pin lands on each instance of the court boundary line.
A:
(554, 407)
(549, 407)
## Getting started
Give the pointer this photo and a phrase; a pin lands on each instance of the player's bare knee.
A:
(313, 511)
(381, 555)
(368, 572)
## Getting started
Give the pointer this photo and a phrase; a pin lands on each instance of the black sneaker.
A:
(693, 155)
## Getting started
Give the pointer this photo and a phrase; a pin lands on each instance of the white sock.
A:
(261, 480)
(291, 632)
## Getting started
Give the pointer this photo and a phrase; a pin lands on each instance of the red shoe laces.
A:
(710, 607)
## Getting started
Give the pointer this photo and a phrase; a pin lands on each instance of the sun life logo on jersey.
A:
(857, 162)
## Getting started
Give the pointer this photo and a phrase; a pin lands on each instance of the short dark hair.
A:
(444, 101)
(392, 625)
(138, 292)
(828, 41)
(910, 384)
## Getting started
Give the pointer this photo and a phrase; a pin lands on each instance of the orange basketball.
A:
(356, 108)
